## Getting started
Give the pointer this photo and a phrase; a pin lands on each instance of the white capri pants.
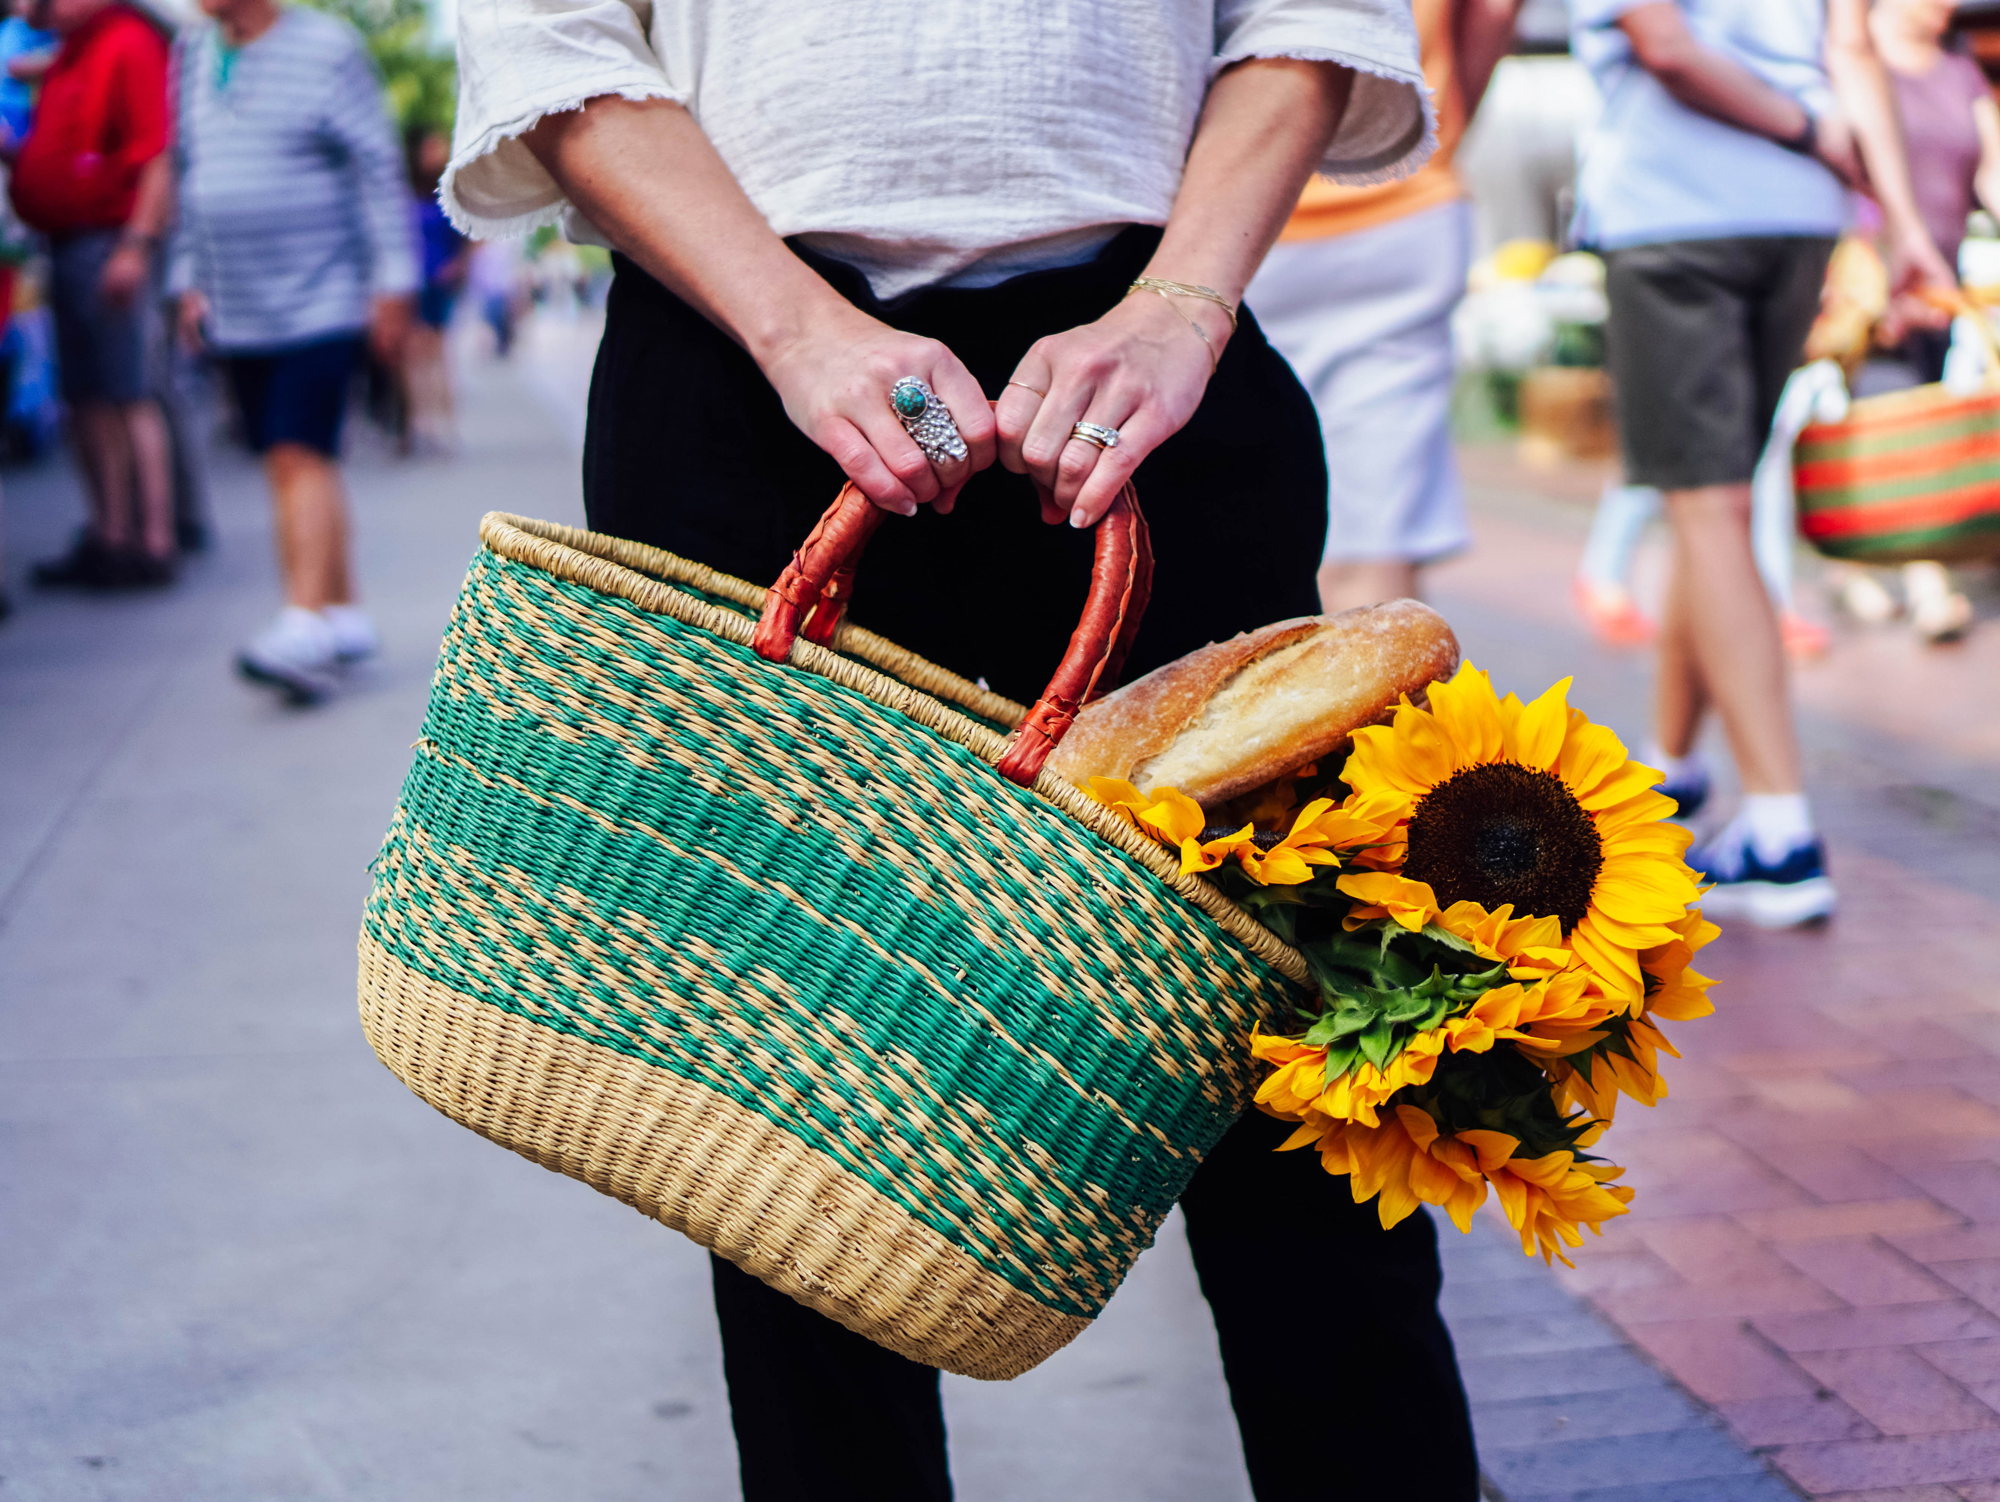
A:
(1365, 320)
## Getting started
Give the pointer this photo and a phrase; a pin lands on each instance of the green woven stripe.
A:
(1832, 497)
(931, 818)
(752, 1031)
(1970, 539)
(965, 1118)
(1865, 442)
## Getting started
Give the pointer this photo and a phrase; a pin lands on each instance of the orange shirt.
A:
(1326, 208)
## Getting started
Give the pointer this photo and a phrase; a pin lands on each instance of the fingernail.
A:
(1076, 518)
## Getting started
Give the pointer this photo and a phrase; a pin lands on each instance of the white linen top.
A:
(922, 140)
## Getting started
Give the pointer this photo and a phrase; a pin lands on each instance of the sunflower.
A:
(1546, 1199)
(1533, 808)
(1173, 818)
(1298, 1089)
(1625, 1058)
(1406, 1161)
(1268, 858)
(1563, 1018)
(1530, 947)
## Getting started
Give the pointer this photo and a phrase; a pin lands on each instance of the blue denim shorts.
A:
(104, 353)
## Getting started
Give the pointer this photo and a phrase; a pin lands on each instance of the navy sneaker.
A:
(1791, 893)
(1688, 797)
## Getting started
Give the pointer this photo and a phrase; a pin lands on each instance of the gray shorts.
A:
(1702, 337)
(104, 353)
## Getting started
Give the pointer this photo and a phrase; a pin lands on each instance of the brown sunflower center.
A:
(1503, 832)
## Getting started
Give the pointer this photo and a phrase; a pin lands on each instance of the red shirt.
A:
(101, 117)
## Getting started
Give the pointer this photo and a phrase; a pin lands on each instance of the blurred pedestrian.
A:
(296, 221)
(1953, 129)
(1715, 185)
(91, 175)
(499, 281)
(1358, 295)
(25, 54)
(429, 423)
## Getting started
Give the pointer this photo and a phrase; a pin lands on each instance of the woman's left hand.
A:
(1139, 369)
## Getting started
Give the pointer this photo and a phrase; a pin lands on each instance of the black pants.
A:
(1354, 1392)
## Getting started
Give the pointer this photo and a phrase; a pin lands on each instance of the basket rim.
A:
(627, 570)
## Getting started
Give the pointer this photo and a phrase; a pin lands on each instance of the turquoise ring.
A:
(927, 420)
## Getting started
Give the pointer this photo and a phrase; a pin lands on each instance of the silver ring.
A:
(927, 420)
(1096, 433)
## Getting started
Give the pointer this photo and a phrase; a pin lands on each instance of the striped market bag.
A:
(769, 929)
(1909, 475)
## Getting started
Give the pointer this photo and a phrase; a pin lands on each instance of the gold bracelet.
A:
(1214, 359)
(1185, 289)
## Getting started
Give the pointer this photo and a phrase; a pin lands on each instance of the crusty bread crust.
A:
(1237, 714)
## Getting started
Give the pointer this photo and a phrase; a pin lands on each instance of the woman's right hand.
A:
(834, 376)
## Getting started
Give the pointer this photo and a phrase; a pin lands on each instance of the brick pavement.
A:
(1815, 1246)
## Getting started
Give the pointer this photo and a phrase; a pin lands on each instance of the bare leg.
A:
(1347, 585)
(427, 385)
(1680, 697)
(311, 512)
(152, 475)
(1721, 642)
(103, 453)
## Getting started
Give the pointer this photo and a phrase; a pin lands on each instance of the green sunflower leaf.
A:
(1447, 938)
(1339, 1059)
(1379, 1044)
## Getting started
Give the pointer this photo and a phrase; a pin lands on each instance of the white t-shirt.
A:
(922, 140)
(1655, 170)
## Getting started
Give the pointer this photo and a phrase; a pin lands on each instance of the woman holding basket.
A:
(842, 231)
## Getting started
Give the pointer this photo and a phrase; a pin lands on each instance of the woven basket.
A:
(1910, 475)
(774, 954)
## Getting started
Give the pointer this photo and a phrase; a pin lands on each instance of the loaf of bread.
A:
(1241, 713)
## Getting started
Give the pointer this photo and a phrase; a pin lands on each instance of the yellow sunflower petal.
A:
(1279, 866)
(1117, 794)
(1593, 762)
(1175, 815)
(1410, 903)
(1306, 1136)
(1469, 712)
(1378, 764)
(1615, 966)
(1493, 1148)
(1535, 737)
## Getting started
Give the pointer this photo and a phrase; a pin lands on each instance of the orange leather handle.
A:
(813, 593)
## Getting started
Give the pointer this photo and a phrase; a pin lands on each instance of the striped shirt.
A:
(294, 210)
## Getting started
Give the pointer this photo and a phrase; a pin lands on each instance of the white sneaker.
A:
(1940, 613)
(354, 638)
(295, 654)
(1787, 893)
(1863, 596)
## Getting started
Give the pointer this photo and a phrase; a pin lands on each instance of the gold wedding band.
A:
(1096, 434)
(1026, 387)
